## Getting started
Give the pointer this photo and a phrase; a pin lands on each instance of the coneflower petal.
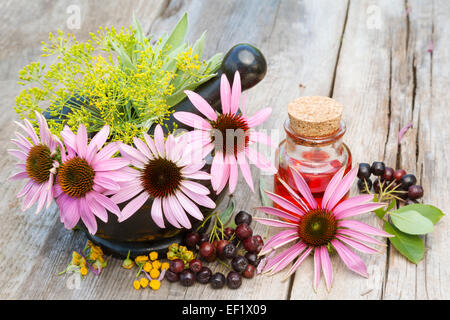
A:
(302, 186)
(359, 236)
(317, 269)
(133, 206)
(352, 202)
(143, 148)
(169, 214)
(179, 212)
(331, 187)
(157, 214)
(280, 235)
(292, 252)
(159, 141)
(278, 213)
(236, 93)
(232, 183)
(276, 223)
(201, 104)
(259, 117)
(225, 94)
(350, 259)
(342, 189)
(357, 245)
(363, 227)
(192, 120)
(357, 210)
(326, 266)
(189, 206)
(298, 262)
(245, 169)
(284, 203)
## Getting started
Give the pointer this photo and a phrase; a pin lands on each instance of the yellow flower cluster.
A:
(116, 78)
(152, 268)
(175, 251)
(92, 255)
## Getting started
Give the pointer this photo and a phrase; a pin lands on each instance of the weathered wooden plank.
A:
(421, 150)
(362, 86)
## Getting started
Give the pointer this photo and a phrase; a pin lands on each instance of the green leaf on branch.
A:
(178, 35)
(225, 215)
(381, 212)
(411, 246)
(428, 211)
(411, 222)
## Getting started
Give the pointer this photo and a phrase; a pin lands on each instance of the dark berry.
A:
(195, 265)
(252, 258)
(187, 278)
(239, 263)
(243, 217)
(204, 275)
(228, 232)
(211, 257)
(192, 239)
(362, 185)
(206, 250)
(364, 171)
(243, 231)
(376, 185)
(415, 192)
(388, 174)
(229, 251)
(234, 280)
(407, 181)
(377, 168)
(249, 272)
(220, 245)
(253, 244)
(398, 174)
(176, 265)
(204, 237)
(171, 276)
(217, 280)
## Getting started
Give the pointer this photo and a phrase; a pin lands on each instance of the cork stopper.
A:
(314, 116)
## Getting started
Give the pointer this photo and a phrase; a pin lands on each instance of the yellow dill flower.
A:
(83, 271)
(153, 255)
(141, 259)
(147, 267)
(156, 264)
(136, 284)
(143, 282)
(155, 284)
(165, 266)
(154, 273)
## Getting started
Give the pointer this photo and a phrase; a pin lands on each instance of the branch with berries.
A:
(404, 217)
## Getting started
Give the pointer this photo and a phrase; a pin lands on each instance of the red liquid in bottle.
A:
(317, 182)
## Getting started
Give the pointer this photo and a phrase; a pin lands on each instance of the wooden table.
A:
(372, 56)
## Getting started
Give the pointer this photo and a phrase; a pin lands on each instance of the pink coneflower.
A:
(39, 165)
(85, 176)
(229, 134)
(164, 171)
(313, 227)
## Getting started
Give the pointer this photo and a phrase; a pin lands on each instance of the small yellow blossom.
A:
(143, 282)
(141, 259)
(83, 271)
(136, 284)
(153, 255)
(155, 284)
(154, 273)
(165, 266)
(156, 264)
(147, 266)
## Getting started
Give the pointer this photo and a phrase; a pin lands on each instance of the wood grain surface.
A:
(372, 56)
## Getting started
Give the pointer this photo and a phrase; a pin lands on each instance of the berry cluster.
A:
(398, 181)
(226, 248)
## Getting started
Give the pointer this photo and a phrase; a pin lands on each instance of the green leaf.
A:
(180, 95)
(381, 212)
(178, 35)
(411, 246)
(139, 32)
(226, 214)
(262, 188)
(411, 222)
(214, 63)
(428, 211)
(199, 45)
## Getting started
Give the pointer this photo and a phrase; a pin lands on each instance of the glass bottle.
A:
(313, 145)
